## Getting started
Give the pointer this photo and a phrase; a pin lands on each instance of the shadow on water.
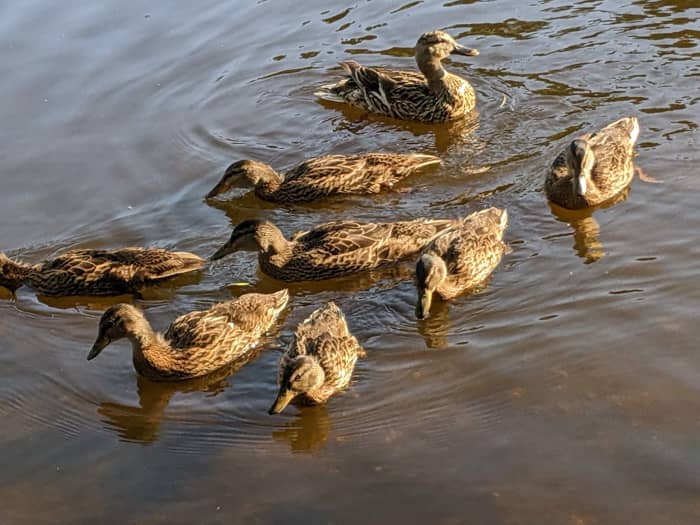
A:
(587, 243)
(142, 423)
(308, 431)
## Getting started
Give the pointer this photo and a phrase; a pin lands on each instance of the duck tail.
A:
(339, 91)
(421, 160)
(12, 273)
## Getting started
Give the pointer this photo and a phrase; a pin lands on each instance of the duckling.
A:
(98, 272)
(195, 344)
(320, 360)
(594, 168)
(434, 95)
(460, 258)
(332, 249)
(321, 177)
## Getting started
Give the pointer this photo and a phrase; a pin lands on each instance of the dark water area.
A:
(567, 391)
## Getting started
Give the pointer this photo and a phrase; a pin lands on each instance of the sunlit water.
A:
(565, 392)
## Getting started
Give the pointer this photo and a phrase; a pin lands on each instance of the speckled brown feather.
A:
(102, 272)
(434, 95)
(341, 248)
(471, 251)
(325, 336)
(404, 95)
(201, 342)
(343, 175)
(613, 148)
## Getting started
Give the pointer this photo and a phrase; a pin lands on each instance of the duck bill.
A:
(283, 398)
(221, 187)
(99, 345)
(425, 301)
(465, 51)
(223, 251)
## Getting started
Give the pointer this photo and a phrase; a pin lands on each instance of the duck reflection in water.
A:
(142, 423)
(587, 243)
(447, 134)
(434, 329)
(308, 431)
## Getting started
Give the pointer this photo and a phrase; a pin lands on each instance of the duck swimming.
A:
(433, 95)
(460, 258)
(595, 167)
(332, 249)
(196, 343)
(322, 177)
(320, 360)
(98, 272)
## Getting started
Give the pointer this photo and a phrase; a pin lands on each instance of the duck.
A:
(98, 272)
(460, 258)
(197, 343)
(320, 360)
(321, 177)
(595, 167)
(332, 249)
(431, 96)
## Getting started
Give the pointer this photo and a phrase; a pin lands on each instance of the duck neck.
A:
(432, 69)
(13, 273)
(272, 243)
(268, 184)
(148, 348)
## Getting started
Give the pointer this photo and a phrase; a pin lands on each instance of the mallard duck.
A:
(434, 95)
(98, 272)
(320, 360)
(595, 167)
(332, 249)
(196, 343)
(460, 258)
(323, 176)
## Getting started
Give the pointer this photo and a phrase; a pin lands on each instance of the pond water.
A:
(567, 391)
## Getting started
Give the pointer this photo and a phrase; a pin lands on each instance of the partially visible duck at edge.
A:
(98, 272)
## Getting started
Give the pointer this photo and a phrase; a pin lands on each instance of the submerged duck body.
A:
(460, 258)
(98, 272)
(594, 168)
(332, 249)
(196, 343)
(433, 95)
(322, 177)
(319, 361)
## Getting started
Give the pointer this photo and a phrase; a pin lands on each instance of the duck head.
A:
(302, 374)
(243, 173)
(430, 272)
(580, 160)
(118, 321)
(439, 45)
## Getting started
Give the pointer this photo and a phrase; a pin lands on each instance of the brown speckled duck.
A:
(332, 249)
(98, 272)
(460, 258)
(595, 167)
(433, 95)
(322, 177)
(196, 343)
(319, 361)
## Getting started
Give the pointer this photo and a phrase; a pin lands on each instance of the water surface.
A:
(566, 392)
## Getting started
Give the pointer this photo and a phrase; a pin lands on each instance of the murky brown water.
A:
(567, 392)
